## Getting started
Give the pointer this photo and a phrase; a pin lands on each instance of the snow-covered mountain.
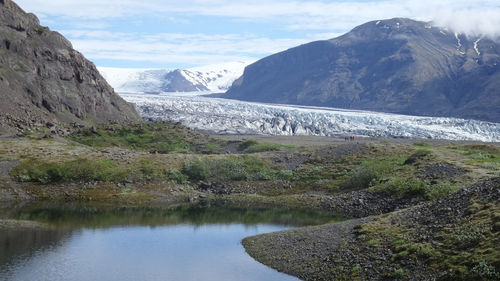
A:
(224, 116)
(213, 78)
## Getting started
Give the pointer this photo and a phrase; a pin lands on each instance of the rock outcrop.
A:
(397, 65)
(45, 82)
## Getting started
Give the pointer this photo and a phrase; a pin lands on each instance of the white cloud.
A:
(172, 48)
(310, 20)
(470, 16)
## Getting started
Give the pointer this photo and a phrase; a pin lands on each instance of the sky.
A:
(188, 33)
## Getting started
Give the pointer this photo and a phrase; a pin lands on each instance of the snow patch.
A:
(476, 47)
(459, 44)
(225, 116)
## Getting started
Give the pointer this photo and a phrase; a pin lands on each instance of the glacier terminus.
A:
(224, 116)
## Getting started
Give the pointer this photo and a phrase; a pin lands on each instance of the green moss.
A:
(467, 234)
(357, 268)
(253, 146)
(467, 250)
(40, 30)
(400, 255)
(421, 144)
(373, 242)
(153, 137)
(484, 271)
(409, 186)
(398, 273)
(479, 153)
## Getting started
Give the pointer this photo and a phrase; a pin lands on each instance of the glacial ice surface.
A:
(224, 116)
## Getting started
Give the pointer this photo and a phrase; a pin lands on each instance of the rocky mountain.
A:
(397, 65)
(213, 78)
(43, 80)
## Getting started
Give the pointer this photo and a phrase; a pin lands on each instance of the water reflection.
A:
(20, 243)
(92, 242)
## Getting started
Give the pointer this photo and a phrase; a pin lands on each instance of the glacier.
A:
(209, 78)
(224, 116)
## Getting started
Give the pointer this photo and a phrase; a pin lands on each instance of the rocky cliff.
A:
(43, 80)
(397, 65)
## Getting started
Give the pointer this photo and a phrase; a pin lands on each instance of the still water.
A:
(107, 243)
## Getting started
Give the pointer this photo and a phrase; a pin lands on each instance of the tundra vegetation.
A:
(163, 162)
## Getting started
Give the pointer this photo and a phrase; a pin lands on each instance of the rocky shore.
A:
(349, 251)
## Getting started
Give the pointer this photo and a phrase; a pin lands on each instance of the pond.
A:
(90, 242)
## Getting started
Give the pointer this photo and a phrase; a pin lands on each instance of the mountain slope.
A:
(397, 65)
(43, 79)
(214, 78)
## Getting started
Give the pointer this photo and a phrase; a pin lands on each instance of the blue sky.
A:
(168, 34)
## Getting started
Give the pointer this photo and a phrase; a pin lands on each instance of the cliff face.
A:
(44, 80)
(397, 65)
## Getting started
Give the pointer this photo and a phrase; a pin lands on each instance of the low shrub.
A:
(484, 271)
(440, 190)
(177, 176)
(76, 170)
(468, 234)
(403, 187)
(196, 170)
(419, 154)
(369, 172)
(232, 168)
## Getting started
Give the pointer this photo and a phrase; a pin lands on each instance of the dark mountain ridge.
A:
(43, 80)
(397, 65)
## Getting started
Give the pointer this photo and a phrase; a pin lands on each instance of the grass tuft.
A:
(233, 168)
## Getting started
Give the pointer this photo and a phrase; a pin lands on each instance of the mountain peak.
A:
(396, 65)
(213, 78)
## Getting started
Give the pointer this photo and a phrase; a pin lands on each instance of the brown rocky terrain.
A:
(44, 82)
